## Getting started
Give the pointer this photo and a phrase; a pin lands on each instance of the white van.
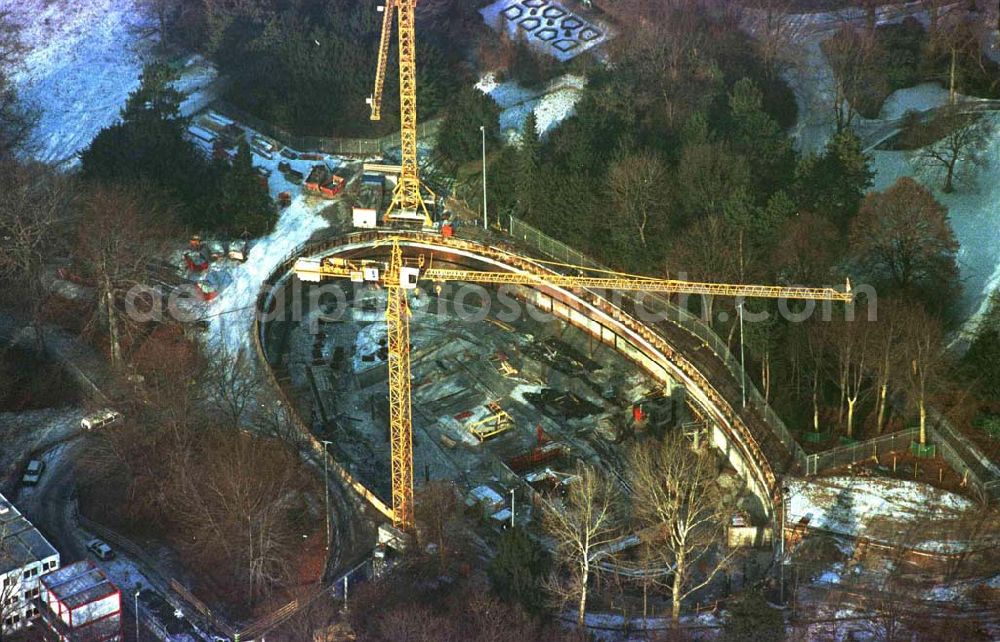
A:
(100, 419)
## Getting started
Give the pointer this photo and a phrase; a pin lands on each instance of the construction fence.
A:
(855, 453)
(362, 147)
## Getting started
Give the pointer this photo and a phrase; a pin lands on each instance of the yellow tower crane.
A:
(408, 198)
(399, 276)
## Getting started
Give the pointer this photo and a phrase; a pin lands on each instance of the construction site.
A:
(508, 403)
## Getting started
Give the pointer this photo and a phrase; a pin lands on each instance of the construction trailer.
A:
(369, 202)
(80, 604)
(322, 181)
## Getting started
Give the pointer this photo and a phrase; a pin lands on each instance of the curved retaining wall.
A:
(589, 311)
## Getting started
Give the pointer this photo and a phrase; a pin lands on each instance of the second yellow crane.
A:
(408, 201)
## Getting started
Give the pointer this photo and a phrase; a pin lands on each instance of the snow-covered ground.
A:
(551, 105)
(198, 81)
(231, 314)
(922, 97)
(34, 430)
(83, 59)
(974, 210)
(911, 513)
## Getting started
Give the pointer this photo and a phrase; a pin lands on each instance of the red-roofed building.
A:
(80, 604)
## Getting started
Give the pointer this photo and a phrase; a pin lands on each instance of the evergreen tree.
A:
(751, 619)
(518, 569)
(156, 95)
(459, 138)
(242, 204)
(528, 68)
(147, 150)
(755, 134)
(833, 184)
(528, 162)
(501, 186)
(981, 362)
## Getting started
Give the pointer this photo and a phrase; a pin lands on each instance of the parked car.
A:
(33, 472)
(100, 550)
(100, 419)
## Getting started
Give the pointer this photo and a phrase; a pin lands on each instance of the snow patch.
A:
(922, 97)
(551, 105)
(231, 314)
(853, 507)
(82, 61)
(125, 575)
(370, 339)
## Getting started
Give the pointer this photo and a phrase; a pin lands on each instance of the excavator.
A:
(399, 276)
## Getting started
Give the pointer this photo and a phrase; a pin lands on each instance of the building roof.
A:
(20, 542)
(78, 584)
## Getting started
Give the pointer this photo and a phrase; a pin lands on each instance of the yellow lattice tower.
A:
(407, 199)
(397, 320)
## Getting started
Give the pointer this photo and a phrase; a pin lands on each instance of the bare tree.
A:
(233, 383)
(922, 346)
(675, 492)
(954, 143)
(636, 183)
(885, 340)
(164, 13)
(34, 215)
(437, 518)
(586, 521)
(815, 347)
(670, 50)
(235, 496)
(778, 33)
(711, 249)
(120, 234)
(850, 340)
(16, 119)
(853, 56)
(957, 35)
(902, 239)
(168, 365)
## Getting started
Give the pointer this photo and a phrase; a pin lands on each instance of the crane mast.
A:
(407, 199)
(398, 278)
(397, 321)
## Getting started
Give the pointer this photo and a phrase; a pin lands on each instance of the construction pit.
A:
(509, 391)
